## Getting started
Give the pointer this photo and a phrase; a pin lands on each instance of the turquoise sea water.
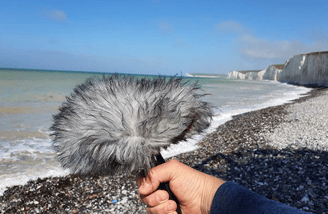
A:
(29, 98)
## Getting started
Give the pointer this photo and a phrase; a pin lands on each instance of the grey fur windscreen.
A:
(117, 124)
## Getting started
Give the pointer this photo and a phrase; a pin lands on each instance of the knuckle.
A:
(173, 161)
(150, 200)
(153, 171)
(162, 196)
(170, 206)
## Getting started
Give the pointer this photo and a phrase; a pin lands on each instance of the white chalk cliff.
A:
(255, 75)
(236, 75)
(302, 69)
(306, 69)
(271, 73)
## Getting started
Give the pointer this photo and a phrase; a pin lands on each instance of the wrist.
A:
(212, 185)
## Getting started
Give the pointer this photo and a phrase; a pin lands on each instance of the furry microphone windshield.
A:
(118, 124)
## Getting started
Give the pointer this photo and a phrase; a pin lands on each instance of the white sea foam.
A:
(8, 180)
(279, 98)
(32, 146)
(191, 143)
(29, 159)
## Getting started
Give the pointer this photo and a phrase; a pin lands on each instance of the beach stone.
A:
(250, 150)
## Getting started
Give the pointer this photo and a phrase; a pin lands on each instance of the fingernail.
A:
(161, 198)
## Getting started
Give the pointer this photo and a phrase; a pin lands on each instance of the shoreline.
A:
(240, 151)
(237, 151)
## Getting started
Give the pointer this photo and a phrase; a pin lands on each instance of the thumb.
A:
(159, 174)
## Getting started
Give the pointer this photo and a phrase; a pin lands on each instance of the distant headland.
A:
(202, 75)
(310, 69)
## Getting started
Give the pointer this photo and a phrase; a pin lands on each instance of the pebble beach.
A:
(280, 152)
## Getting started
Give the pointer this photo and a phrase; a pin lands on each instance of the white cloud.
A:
(252, 47)
(319, 36)
(230, 26)
(260, 48)
(257, 53)
(57, 15)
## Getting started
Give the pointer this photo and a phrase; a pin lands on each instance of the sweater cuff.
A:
(224, 198)
(233, 198)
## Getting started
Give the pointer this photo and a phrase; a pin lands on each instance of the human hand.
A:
(194, 190)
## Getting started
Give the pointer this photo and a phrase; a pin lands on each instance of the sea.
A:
(29, 98)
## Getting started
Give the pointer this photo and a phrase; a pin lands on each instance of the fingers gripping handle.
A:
(165, 186)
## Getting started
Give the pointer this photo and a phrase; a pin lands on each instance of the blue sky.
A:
(159, 36)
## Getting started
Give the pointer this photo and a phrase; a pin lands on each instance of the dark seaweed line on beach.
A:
(235, 151)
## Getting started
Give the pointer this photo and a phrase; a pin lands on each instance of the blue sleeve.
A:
(231, 198)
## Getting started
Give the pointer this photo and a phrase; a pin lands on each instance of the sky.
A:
(165, 37)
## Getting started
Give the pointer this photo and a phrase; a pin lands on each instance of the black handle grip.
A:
(165, 186)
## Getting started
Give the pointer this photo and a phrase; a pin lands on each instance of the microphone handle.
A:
(165, 186)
